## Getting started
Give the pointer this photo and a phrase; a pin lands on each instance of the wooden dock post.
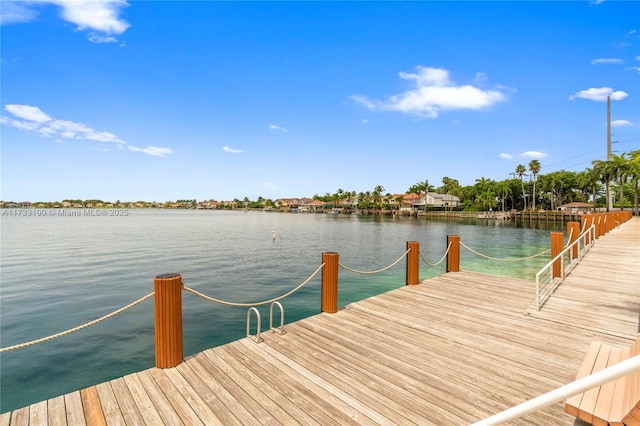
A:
(453, 257)
(329, 301)
(413, 263)
(573, 229)
(168, 317)
(557, 245)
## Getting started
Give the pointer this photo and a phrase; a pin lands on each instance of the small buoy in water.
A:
(273, 235)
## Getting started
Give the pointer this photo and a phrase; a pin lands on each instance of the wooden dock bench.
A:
(615, 403)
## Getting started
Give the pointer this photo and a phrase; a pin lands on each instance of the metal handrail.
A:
(271, 327)
(542, 294)
(255, 338)
(581, 385)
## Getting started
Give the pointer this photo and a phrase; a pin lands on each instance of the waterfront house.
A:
(576, 208)
(430, 199)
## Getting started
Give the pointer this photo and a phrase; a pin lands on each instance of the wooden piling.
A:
(329, 301)
(573, 229)
(557, 245)
(168, 318)
(453, 257)
(413, 262)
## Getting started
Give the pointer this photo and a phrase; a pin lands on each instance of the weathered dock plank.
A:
(128, 408)
(158, 399)
(93, 413)
(38, 414)
(73, 407)
(56, 411)
(109, 404)
(242, 366)
(234, 411)
(455, 349)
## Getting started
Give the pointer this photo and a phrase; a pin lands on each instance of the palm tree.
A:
(620, 167)
(421, 188)
(583, 185)
(605, 173)
(534, 168)
(634, 175)
(388, 198)
(485, 195)
(376, 195)
(339, 196)
(591, 177)
(520, 171)
(504, 189)
(486, 199)
(398, 201)
(448, 184)
(362, 200)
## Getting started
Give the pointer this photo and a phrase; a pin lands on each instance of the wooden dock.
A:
(453, 350)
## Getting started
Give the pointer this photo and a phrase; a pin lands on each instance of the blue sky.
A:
(165, 100)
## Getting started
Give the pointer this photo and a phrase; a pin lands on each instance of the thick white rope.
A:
(64, 333)
(503, 260)
(378, 270)
(569, 238)
(444, 256)
(275, 299)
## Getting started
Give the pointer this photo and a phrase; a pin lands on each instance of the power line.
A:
(571, 158)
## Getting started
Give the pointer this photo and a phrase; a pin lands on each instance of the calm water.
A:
(58, 272)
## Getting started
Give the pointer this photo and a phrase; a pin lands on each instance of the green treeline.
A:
(527, 189)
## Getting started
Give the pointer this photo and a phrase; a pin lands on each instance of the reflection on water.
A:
(59, 272)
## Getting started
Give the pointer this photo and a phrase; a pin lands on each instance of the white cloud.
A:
(13, 12)
(606, 61)
(621, 123)
(362, 100)
(600, 94)
(231, 150)
(276, 128)
(73, 130)
(152, 150)
(33, 119)
(533, 154)
(434, 92)
(95, 38)
(99, 15)
(102, 16)
(28, 112)
(506, 156)
(22, 125)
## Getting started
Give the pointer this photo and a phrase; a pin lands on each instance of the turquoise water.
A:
(58, 272)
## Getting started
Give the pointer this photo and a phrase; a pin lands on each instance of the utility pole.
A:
(608, 148)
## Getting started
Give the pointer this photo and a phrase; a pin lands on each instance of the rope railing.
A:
(547, 279)
(444, 256)
(503, 260)
(569, 238)
(377, 271)
(245, 305)
(80, 327)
